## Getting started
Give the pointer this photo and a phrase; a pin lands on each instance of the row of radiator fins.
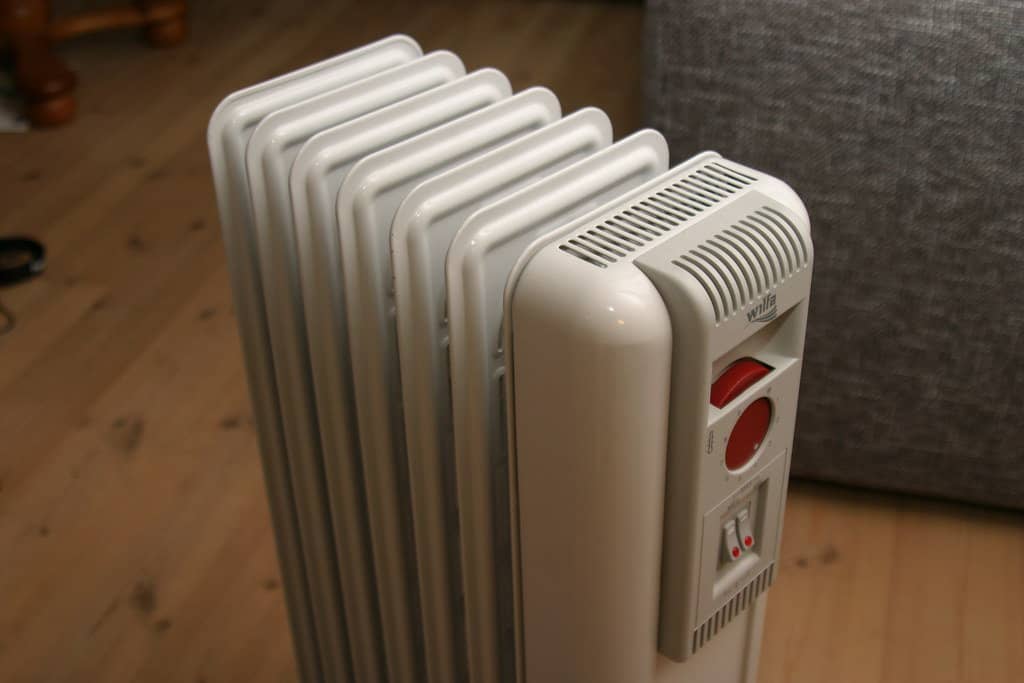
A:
(602, 246)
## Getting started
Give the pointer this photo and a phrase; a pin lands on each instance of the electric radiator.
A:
(525, 397)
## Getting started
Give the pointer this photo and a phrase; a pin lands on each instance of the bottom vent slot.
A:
(734, 607)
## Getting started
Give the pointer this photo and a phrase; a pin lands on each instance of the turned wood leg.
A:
(165, 21)
(41, 76)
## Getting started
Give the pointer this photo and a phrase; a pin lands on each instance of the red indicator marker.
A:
(748, 541)
(735, 552)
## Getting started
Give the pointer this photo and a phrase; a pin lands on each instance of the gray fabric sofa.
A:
(901, 124)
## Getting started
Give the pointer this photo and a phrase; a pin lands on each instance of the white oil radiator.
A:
(525, 397)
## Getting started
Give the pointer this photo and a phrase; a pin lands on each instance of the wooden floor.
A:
(134, 539)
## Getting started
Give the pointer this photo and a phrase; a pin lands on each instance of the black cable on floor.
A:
(20, 259)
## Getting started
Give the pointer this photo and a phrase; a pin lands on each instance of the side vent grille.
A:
(746, 260)
(656, 214)
(716, 622)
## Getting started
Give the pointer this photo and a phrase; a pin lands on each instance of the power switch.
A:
(730, 543)
(745, 530)
(737, 378)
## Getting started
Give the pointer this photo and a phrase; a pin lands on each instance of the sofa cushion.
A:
(902, 127)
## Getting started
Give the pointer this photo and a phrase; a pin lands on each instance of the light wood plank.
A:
(875, 587)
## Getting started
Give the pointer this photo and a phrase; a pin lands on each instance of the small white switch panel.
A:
(731, 549)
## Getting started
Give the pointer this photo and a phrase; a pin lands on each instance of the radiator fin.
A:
(733, 608)
(747, 260)
(656, 214)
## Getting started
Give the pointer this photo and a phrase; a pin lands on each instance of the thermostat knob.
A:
(751, 429)
(748, 434)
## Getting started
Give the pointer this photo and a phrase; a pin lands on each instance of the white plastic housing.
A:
(618, 470)
(480, 259)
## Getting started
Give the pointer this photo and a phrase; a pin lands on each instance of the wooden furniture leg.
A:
(165, 21)
(39, 73)
(46, 82)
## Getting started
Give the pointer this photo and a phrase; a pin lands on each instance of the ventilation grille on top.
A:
(656, 214)
(739, 603)
(746, 260)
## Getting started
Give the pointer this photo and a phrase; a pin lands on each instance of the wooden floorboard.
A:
(134, 536)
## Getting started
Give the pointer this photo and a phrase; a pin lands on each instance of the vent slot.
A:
(747, 260)
(733, 608)
(660, 213)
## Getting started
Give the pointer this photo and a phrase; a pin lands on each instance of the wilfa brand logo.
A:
(764, 312)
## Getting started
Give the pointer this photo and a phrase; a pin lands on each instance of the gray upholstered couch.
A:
(902, 126)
